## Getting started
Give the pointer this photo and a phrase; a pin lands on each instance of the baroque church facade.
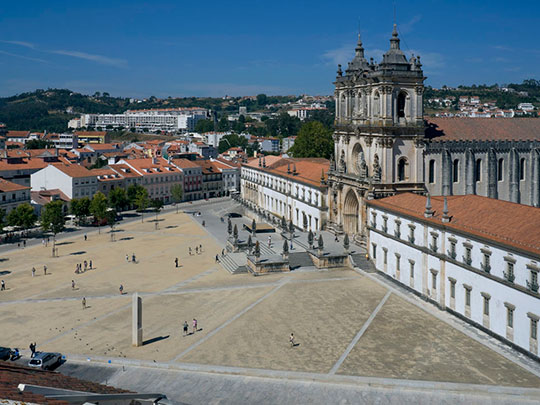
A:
(383, 145)
(378, 136)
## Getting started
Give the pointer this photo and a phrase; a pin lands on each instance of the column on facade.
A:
(514, 175)
(492, 174)
(469, 172)
(337, 98)
(535, 178)
(446, 173)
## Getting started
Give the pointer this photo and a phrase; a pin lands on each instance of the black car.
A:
(5, 353)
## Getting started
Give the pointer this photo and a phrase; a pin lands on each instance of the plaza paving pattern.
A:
(345, 323)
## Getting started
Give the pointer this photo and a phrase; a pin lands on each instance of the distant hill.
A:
(50, 110)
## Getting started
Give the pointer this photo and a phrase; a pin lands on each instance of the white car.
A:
(45, 360)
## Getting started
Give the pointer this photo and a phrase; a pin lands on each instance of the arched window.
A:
(431, 174)
(478, 170)
(455, 171)
(522, 169)
(401, 105)
(500, 168)
(402, 168)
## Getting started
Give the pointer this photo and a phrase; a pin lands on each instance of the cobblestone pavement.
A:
(359, 339)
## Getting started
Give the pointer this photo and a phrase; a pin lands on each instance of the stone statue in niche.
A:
(362, 166)
(342, 164)
(376, 169)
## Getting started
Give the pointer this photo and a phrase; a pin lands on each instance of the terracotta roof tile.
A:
(477, 129)
(73, 170)
(500, 221)
(6, 186)
(308, 170)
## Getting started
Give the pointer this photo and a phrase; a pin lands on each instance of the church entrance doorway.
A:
(350, 213)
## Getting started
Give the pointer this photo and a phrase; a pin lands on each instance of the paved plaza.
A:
(348, 324)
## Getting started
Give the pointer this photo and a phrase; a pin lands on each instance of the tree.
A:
(118, 199)
(110, 216)
(262, 99)
(142, 201)
(204, 126)
(23, 216)
(235, 232)
(310, 238)
(321, 243)
(52, 219)
(80, 208)
(249, 243)
(285, 247)
(253, 226)
(177, 193)
(2, 219)
(346, 242)
(229, 226)
(133, 191)
(223, 124)
(257, 249)
(313, 140)
(157, 205)
(98, 208)
(38, 144)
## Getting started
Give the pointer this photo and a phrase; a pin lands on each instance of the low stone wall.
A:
(263, 266)
(327, 260)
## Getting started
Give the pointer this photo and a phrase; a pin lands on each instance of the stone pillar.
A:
(492, 174)
(446, 173)
(137, 331)
(514, 176)
(535, 178)
(469, 172)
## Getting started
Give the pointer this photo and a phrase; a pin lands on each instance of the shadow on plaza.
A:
(80, 252)
(155, 339)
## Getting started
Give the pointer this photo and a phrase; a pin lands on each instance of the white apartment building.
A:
(12, 195)
(292, 188)
(527, 107)
(73, 180)
(476, 257)
(145, 120)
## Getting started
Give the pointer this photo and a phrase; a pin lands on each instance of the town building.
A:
(85, 137)
(474, 256)
(287, 143)
(201, 148)
(212, 179)
(12, 195)
(43, 197)
(284, 187)
(305, 112)
(192, 174)
(158, 176)
(74, 180)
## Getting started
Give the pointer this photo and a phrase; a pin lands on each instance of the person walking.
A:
(83, 302)
(24, 243)
(194, 325)
(3, 288)
(33, 271)
(90, 264)
(121, 288)
(176, 262)
(190, 252)
(85, 237)
(336, 239)
(133, 259)
(32, 349)
(269, 241)
(217, 259)
(72, 284)
(85, 265)
(196, 249)
(222, 252)
(200, 248)
(44, 270)
(291, 340)
(185, 328)
(127, 258)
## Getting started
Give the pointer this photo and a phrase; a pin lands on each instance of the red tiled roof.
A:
(124, 170)
(504, 222)
(308, 170)
(90, 133)
(25, 164)
(42, 197)
(184, 163)
(474, 129)
(6, 186)
(73, 170)
(11, 375)
(18, 134)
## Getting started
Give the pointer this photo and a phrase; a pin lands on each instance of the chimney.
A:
(428, 213)
(260, 162)
(288, 168)
(294, 169)
(264, 161)
(445, 216)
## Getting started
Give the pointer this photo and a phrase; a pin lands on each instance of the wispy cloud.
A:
(339, 56)
(409, 25)
(104, 60)
(20, 43)
(23, 57)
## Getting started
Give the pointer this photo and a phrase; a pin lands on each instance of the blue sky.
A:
(213, 48)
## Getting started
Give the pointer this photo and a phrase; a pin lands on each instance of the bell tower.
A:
(379, 132)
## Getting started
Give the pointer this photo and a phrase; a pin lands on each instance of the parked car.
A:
(5, 353)
(45, 360)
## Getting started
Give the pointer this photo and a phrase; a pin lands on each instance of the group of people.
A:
(44, 270)
(198, 250)
(133, 258)
(45, 241)
(87, 266)
(186, 327)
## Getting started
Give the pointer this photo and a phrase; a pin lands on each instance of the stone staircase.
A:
(230, 262)
(299, 259)
(359, 260)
